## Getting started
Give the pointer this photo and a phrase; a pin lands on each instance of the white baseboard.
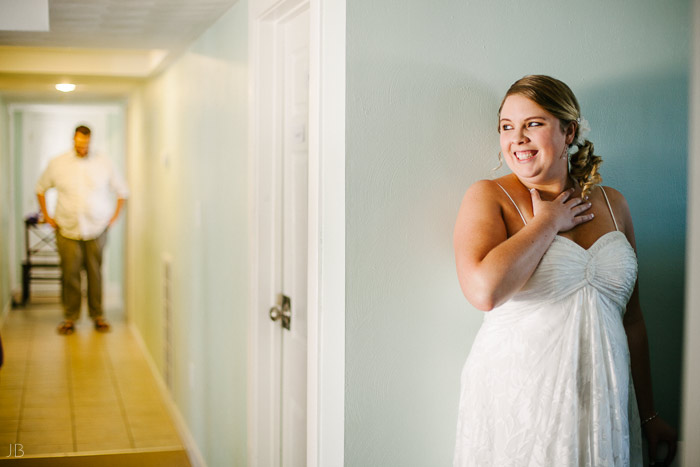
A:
(193, 452)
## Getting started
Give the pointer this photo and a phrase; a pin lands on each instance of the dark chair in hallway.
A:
(41, 262)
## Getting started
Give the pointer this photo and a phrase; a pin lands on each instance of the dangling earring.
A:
(565, 152)
(500, 162)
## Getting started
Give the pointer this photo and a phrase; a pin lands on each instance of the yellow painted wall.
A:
(5, 210)
(188, 168)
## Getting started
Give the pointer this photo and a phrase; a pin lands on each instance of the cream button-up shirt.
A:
(87, 191)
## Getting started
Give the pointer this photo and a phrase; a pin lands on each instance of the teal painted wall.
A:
(116, 145)
(424, 81)
(188, 166)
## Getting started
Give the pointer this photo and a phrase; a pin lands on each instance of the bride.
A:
(558, 374)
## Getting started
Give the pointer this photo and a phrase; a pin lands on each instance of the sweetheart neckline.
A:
(590, 248)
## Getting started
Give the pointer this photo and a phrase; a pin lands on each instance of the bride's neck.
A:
(551, 190)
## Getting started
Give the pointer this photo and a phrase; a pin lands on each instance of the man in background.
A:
(87, 185)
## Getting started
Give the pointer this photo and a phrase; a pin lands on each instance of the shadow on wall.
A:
(640, 128)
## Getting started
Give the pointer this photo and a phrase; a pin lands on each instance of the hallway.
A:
(81, 395)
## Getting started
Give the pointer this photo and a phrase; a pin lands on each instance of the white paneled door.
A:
(297, 218)
(279, 320)
(294, 41)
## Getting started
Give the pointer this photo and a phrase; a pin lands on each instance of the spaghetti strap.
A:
(609, 207)
(511, 200)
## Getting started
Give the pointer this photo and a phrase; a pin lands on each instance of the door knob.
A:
(283, 311)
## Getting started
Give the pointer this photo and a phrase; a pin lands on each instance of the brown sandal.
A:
(101, 325)
(66, 328)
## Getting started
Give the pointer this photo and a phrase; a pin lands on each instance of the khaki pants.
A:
(75, 256)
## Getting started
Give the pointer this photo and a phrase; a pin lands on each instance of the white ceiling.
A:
(86, 36)
(122, 24)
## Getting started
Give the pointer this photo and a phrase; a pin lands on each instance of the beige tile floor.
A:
(85, 392)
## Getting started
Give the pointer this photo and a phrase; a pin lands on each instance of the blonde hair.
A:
(556, 97)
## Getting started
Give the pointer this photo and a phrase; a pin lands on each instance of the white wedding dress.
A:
(547, 381)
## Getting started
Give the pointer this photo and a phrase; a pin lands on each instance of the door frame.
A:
(689, 452)
(15, 278)
(326, 257)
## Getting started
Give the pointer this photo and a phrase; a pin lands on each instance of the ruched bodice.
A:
(609, 266)
(547, 381)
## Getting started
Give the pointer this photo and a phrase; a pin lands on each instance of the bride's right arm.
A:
(490, 266)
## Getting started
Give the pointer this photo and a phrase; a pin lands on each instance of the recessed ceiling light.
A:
(65, 87)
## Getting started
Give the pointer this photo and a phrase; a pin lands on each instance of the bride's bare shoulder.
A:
(617, 200)
(485, 189)
(492, 190)
(620, 208)
(483, 201)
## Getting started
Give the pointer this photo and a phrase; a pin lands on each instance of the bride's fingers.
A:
(580, 207)
(564, 195)
(535, 195)
(584, 218)
(576, 201)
